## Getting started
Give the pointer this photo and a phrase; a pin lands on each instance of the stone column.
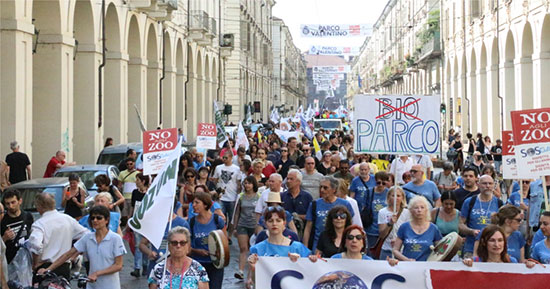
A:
(52, 99)
(192, 109)
(481, 118)
(507, 89)
(169, 98)
(153, 105)
(115, 101)
(524, 82)
(88, 137)
(541, 71)
(16, 115)
(180, 99)
(492, 111)
(472, 96)
(137, 89)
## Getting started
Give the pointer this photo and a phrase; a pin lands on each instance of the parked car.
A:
(113, 155)
(87, 174)
(29, 189)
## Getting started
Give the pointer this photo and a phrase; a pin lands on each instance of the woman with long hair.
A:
(355, 244)
(187, 189)
(509, 219)
(73, 198)
(390, 219)
(331, 239)
(541, 250)
(492, 247)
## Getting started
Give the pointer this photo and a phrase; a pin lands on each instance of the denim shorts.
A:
(245, 231)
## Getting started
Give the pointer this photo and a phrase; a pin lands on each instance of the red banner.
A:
(469, 280)
(160, 140)
(508, 143)
(531, 126)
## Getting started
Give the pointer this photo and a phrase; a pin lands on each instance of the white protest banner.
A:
(333, 50)
(241, 139)
(206, 136)
(327, 76)
(509, 167)
(532, 141)
(331, 69)
(397, 124)
(220, 128)
(335, 30)
(285, 135)
(157, 145)
(151, 217)
(281, 273)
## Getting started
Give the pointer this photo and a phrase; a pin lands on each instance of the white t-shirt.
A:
(398, 167)
(356, 219)
(228, 178)
(384, 217)
(262, 201)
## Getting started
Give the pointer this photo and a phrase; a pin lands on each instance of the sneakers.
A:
(239, 275)
(135, 273)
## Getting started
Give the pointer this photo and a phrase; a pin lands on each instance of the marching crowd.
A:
(298, 198)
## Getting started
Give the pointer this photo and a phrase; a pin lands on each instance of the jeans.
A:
(498, 164)
(371, 240)
(227, 209)
(384, 254)
(139, 260)
(214, 274)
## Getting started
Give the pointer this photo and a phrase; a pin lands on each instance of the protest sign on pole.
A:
(220, 128)
(509, 167)
(157, 145)
(281, 273)
(151, 217)
(206, 136)
(397, 124)
(531, 130)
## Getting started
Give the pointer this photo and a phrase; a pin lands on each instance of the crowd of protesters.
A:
(298, 198)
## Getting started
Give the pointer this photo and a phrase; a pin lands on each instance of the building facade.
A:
(75, 72)
(289, 71)
(248, 70)
(496, 55)
(403, 55)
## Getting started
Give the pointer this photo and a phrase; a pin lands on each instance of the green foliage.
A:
(430, 29)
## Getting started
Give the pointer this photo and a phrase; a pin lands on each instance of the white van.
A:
(327, 124)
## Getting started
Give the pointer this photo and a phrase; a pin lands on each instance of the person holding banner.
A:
(493, 248)
(355, 244)
(508, 218)
(417, 235)
(541, 250)
(200, 227)
(389, 220)
(178, 269)
(330, 241)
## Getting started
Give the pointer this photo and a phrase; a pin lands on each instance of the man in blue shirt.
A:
(420, 186)
(318, 210)
(473, 218)
(296, 200)
(362, 186)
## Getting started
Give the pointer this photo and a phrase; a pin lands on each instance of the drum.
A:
(218, 247)
(446, 248)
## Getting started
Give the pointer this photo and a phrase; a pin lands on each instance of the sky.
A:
(297, 12)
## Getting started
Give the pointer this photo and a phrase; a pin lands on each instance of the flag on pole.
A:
(241, 140)
(305, 127)
(316, 145)
(275, 115)
(259, 136)
(152, 216)
(359, 81)
(221, 136)
(248, 119)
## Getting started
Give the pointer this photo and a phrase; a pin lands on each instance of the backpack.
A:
(313, 219)
(192, 224)
(471, 206)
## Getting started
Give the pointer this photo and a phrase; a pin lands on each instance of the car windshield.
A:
(328, 124)
(111, 159)
(87, 177)
(28, 195)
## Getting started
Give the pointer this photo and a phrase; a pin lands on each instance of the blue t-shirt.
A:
(541, 253)
(321, 211)
(417, 246)
(460, 181)
(539, 236)
(361, 193)
(515, 186)
(287, 233)
(512, 259)
(339, 256)
(480, 217)
(378, 203)
(199, 236)
(296, 205)
(114, 221)
(191, 213)
(289, 218)
(265, 248)
(515, 199)
(428, 189)
(515, 242)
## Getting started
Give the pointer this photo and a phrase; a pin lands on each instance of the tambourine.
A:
(446, 248)
(218, 247)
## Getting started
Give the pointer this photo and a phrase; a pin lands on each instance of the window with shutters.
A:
(244, 36)
(475, 9)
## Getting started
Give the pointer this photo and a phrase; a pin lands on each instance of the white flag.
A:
(241, 140)
(275, 115)
(151, 217)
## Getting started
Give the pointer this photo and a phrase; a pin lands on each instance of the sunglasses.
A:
(357, 237)
(275, 209)
(342, 216)
(99, 218)
(413, 171)
(284, 150)
(378, 183)
(176, 243)
(519, 220)
(189, 176)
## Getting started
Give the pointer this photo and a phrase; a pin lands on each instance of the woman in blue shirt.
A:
(276, 244)
(354, 246)
(541, 250)
(508, 218)
(200, 226)
(417, 235)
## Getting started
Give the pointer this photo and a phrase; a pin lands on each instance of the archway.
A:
(508, 80)
(137, 85)
(52, 84)
(180, 85)
(168, 109)
(87, 137)
(153, 75)
(524, 69)
(543, 63)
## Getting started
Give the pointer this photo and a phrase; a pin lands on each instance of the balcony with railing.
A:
(200, 27)
(213, 28)
(158, 9)
(430, 49)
